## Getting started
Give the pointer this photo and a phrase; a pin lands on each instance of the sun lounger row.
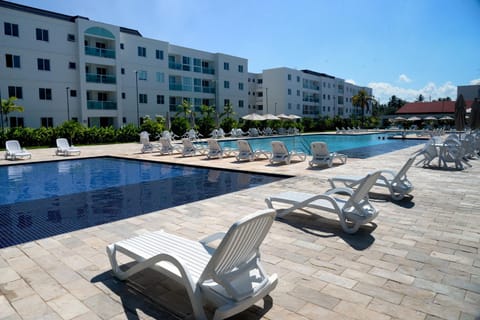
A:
(230, 276)
(14, 151)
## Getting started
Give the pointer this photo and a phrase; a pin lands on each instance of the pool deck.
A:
(420, 259)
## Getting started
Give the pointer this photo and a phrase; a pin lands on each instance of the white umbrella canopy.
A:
(430, 118)
(283, 116)
(254, 116)
(446, 118)
(399, 119)
(269, 116)
(414, 119)
(294, 117)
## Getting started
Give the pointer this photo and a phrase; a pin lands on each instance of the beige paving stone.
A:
(32, 307)
(364, 277)
(67, 306)
(15, 290)
(395, 310)
(6, 309)
(359, 312)
(313, 311)
(103, 306)
(346, 294)
(81, 289)
(335, 279)
(378, 292)
(431, 308)
(7, 274)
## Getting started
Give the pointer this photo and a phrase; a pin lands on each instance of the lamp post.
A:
(266, 97)
(136, 86)
(1, 110)
(275, 108)
(68, 105)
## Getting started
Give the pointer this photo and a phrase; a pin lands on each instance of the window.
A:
(11, 29)
(45, 94)
(240, 86)
(12, 61)
(226, 84)
(42, 34)
(142, 98)
(142, 51)
(240, 103)
(72, 65)
(289, 106)
(289, 77)
(160, 99)
(122, 70)
(16, 122)
(159, 54)
(43, 64)
(142, 75)
(71, 37)
(240, 68)
(298, 93)
(298, 78)
(186, 63)
(226, 102)
(122, 46)
(160, 77)
(289, 92)
(73, 93)
(15, 92)
(226, 66)
(124, 96)
(197, 65)
(46, 122)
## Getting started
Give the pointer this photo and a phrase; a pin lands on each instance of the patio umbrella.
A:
(399, 119)
(460, 113)
(283, 116)
(446, 118)
(475, 115)
(414, 119)
(430, 118)
(269, 116)
(193, 119)
(253, 116)
(294, 117)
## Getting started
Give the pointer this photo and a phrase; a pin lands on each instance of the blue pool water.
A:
(45, 199)
(354, 146)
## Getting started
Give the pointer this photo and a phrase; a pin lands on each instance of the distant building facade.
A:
(303, 92)
(64, 67)
(469, 92)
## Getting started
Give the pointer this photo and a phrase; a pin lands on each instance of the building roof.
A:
(430, 107)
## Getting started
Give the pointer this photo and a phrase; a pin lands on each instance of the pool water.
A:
(45, 199)
(354, 146)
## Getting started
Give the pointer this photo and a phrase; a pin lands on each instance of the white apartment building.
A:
(68, 67)
(304, 93)
(64, 67)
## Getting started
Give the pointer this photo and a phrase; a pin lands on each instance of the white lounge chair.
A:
(353, 212)
(166, 146)
(216, 151)
(253, 132)
(15, 151)
(280, 153)
(397, 183)
(192, 135)
(429, 151)
(65, 149)
(191, 149)
(321, 155)
(230, 277)
(245, 152)
(147, 146)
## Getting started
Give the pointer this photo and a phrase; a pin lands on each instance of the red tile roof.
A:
(430, 107)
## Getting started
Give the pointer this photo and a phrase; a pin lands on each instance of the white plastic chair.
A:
(216, 151)
(245, 152)
(230, 277)
(65, 149)
(15, 151)
(321, 155)
(166, 146)
(280, 153)
(353, 212)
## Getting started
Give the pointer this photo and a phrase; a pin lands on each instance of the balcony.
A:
(101, 78)
(208, 70)
(175, 87)
(208, 90)
(101, 105)
(99, 52)
(175, 66)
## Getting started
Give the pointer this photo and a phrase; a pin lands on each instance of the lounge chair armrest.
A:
(390, 172)
(340, 190)
(212, 237)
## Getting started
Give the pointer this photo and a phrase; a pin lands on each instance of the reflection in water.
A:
(30, 219)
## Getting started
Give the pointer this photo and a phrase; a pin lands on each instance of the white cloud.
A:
(475, 81)
(404, 78)
(383, 91)
(351, 81)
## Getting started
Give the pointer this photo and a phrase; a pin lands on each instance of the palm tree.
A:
(228, 111)
(362, 100)
(206, 111)
(8, 106)
(185, 108)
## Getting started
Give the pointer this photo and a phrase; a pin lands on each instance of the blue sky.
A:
(397, 47)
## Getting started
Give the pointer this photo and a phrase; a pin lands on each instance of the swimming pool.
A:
(45, 199)
(354, 146)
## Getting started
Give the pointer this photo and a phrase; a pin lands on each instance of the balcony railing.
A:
(174, 65)
(101, 105)
(99, 52)
(175, 87)
(208, 90)
(208, 70)
(101, 78)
